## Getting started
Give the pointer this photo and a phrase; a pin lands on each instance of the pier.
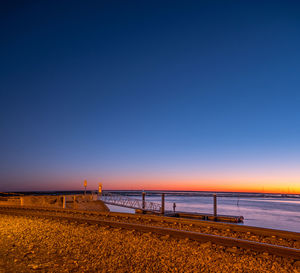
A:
(146, 207)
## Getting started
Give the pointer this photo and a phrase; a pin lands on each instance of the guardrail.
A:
(128, 202)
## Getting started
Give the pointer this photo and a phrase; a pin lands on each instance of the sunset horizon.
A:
(169, 185)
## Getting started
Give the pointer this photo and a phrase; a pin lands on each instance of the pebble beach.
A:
(42, 245)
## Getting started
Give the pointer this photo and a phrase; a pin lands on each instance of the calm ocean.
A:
(263, 210)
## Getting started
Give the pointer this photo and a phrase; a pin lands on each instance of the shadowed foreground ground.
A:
(39, 245)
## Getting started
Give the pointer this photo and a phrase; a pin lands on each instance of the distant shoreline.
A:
(157, 192)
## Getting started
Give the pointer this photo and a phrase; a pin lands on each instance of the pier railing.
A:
(128, 202)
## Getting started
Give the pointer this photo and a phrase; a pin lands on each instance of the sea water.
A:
(262, 210)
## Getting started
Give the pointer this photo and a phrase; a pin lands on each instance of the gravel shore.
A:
(39, 245)
(196, 226)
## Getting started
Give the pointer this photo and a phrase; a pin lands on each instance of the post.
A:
(215, 206)
(22, 201)
(64, 202)
(85, 184)
(143, 200)
(162, 203)
(100, 189)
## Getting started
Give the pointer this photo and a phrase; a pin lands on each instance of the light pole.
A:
(85, 184)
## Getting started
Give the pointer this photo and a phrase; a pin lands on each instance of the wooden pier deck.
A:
(206, 216)
(198, 216)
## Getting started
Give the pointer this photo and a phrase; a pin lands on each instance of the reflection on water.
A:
(278, 213)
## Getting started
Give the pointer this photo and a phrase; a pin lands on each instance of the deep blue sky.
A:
(115, 91)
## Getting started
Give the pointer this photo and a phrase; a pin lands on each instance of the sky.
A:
(164, 95)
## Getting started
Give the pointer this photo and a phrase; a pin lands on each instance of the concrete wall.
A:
(80, 202)
(92, 206)
(87, 202)
(10, 201)
(42, 201)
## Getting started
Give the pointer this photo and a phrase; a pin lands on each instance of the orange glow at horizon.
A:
(266, 186)
(263, 181)
(178, 182)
